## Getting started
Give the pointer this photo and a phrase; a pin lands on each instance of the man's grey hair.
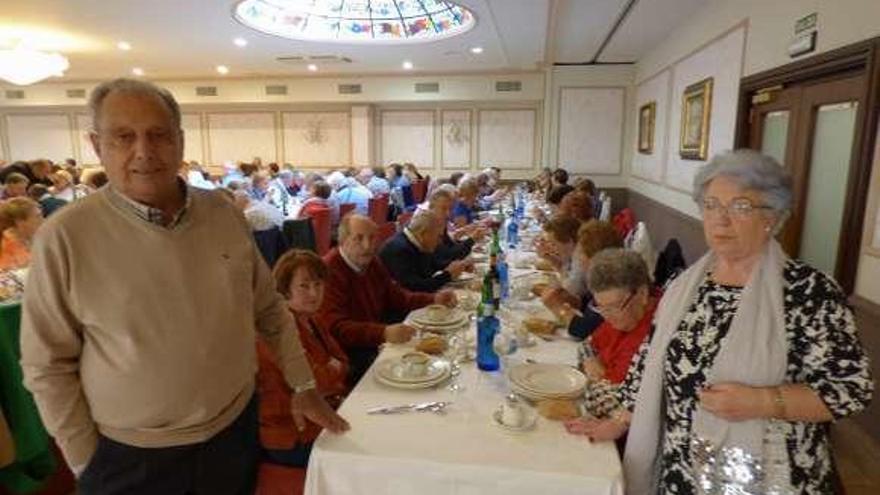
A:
(424, 221)
(445, 191)
(345, 225)
(750, 170)
(617, 268)
(132, 86)
(286, 174)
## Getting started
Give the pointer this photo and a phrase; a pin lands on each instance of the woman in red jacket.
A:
(299, 276)
(622, 294)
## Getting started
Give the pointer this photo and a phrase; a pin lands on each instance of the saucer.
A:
(530, 420)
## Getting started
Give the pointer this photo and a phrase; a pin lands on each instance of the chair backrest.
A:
(346, 208)
(271, 244)
(322, 228)
(419, 190)
(408, 199)
(299, 234)
(386, 231)
(378, 209)
(403, 219)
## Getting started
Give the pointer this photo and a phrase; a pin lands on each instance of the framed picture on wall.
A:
(647, 116)
(696, 110)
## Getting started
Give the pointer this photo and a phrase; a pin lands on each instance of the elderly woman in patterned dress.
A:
(751, 357)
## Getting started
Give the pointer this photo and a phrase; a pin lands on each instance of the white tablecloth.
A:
(461, 453)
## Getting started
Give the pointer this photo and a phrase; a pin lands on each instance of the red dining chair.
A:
(419, 190)
(321, 226)
(403, 219)
(273, 479)
(377, 209)
(346, 208)
(386, 231)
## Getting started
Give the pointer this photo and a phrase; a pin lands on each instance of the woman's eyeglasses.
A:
(739, 207)
(605, 310)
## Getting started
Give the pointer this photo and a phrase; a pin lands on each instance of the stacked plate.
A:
(438, 319)
(393, 372)
(538, 381)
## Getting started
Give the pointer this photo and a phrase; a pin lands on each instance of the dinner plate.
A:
(465, 277)
(420, 317)
(534, 396)
(392, 370)
(548, 379)
(415, 385)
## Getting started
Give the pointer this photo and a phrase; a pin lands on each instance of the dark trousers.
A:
(226, 464)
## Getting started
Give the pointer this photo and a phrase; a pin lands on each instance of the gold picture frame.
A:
(696, 110)
(647, 119)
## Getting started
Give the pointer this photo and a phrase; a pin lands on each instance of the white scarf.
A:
(754, 352)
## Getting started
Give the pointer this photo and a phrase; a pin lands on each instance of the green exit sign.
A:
(807, 23)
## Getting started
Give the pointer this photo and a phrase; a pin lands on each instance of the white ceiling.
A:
(189, 38)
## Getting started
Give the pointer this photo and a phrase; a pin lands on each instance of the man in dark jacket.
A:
(409, 255)
(48, 203)
(448, 250)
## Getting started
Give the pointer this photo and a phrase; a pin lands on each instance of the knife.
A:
(399, 409)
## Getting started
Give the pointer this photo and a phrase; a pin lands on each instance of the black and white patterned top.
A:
(823, 352)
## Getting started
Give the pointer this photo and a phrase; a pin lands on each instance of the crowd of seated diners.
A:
(643, 345)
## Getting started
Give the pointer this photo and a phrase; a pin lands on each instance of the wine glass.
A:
(504, 345)
(456, 347)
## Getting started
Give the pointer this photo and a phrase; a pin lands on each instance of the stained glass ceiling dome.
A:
(356, 21)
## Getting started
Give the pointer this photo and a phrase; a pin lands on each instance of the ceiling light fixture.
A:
(362, 21)
(137, 71)
(312, 68)
(23, 66)
(407, 65)
(477, 50)
(240, 42)
(124, 46)
(222, 69)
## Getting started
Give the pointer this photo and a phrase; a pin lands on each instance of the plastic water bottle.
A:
(512, 232)
(487, 327)
(504, 277)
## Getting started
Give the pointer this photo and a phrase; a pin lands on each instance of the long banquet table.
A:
(461, 452)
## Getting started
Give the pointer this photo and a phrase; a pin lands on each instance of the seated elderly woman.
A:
(465, 210)
(622, 294)
(577, 204)
(299, 277)
(19, 220)
(592, 237)
(752, 356)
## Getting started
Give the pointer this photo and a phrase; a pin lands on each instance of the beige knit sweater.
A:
(147, 334)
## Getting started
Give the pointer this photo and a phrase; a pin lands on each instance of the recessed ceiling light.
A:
(223, 69)
(137, 71)
(312, 67)
(240, 42)
(124, 46)
(407, 65)
(477, 50)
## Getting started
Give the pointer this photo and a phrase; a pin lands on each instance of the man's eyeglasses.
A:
(739, 207)
(612, 309)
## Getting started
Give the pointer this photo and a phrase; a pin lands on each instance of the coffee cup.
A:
(512, 413)
(415, 364)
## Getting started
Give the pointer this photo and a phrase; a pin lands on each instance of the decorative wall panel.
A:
(457, 135)
(317, 139)
(591, 130)
(408, 136)
(34, 136)
(235, 136)
(508, 139)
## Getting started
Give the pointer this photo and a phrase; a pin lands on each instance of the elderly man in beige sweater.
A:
(139, 319)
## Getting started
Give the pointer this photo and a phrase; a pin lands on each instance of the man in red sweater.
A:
(363, 305)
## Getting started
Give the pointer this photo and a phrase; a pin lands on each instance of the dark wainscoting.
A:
(665, 223)
(868, 321)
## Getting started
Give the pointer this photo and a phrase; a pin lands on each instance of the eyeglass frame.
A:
(715, 207)
(605, 311)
